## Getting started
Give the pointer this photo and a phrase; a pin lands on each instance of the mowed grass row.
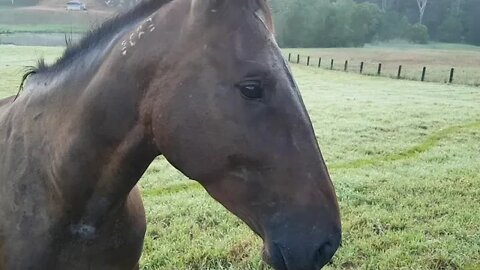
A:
(43, 28)
(404, 156)
(438, 58)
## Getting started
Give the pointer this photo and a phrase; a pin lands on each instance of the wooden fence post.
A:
(308, 61)
(319, 62)
(452, 71)
(361, 67)
(298, 58)
(379, 71)
(345, 68)
(399, 74)
(331, 65)
(424, 71)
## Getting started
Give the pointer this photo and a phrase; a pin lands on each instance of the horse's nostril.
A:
(274, 257)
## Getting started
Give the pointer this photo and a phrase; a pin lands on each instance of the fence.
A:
(378, 69)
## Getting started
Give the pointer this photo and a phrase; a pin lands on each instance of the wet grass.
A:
(404, 156)
(429, 143)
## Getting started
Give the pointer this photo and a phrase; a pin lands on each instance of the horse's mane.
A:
(29, 71)
(100, 35)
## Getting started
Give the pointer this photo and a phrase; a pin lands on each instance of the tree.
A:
(458, 5)
(392, 25)
(471, 9)
(417, 33)
(422, 5)
(384, 5)
(450, 30)
(365, 23)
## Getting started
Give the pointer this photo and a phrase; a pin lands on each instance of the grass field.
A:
(438, 58)
(49, 18)
(404, 156)
(41, 28)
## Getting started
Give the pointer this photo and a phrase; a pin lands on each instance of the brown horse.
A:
(201, 82)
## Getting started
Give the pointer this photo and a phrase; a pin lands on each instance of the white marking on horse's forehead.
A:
(147, 26)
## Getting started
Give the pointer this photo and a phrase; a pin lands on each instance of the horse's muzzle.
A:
(301, 255)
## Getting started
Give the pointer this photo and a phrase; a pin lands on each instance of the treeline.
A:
(344, 23)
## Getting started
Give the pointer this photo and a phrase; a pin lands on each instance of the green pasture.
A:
(438, 58)
(404, 157)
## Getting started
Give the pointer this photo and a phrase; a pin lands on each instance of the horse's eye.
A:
(251, 89)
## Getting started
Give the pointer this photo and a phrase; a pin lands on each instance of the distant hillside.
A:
(91, 4)
(53, 12)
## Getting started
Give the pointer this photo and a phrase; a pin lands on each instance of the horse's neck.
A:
(91, 123)
(109, 135)
(94, 132)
